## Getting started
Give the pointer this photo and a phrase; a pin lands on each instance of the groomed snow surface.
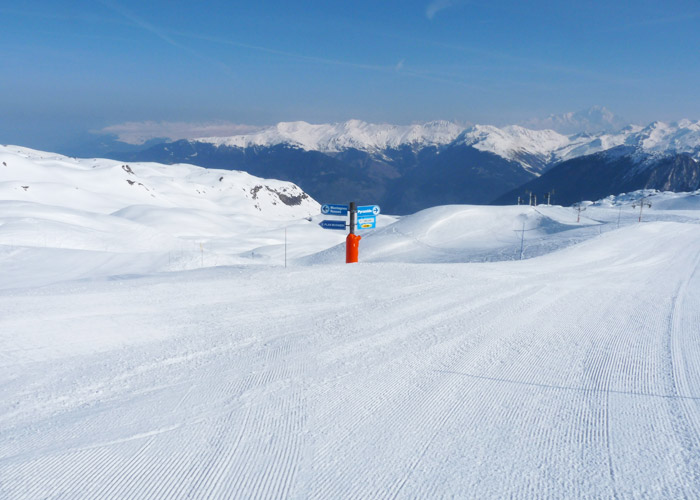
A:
(145, 352)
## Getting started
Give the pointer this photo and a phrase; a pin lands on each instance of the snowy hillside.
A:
(110, 218)
(440, 366)
(98, 213)
(105, 186)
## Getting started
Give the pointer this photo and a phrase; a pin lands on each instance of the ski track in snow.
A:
(575, 374)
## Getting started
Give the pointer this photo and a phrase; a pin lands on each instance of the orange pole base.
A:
(352, 248)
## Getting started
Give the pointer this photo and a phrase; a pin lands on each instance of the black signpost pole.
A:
(352, 242)
(353, 217)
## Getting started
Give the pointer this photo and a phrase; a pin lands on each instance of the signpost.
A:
(368, 210)
(333, 224)
(334, 209)
(366, 223)
(364, 217)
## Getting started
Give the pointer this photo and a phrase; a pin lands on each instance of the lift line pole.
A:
(643, 201)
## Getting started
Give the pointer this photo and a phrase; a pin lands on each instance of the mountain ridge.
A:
(409, 168)
(510, 142)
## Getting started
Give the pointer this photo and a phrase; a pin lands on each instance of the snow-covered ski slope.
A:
(440, 366)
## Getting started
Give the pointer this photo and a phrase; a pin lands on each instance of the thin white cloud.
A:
(437, 5)
(140, 132)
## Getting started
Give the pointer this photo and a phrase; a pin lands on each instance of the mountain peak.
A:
(680, 137)
(595, 119)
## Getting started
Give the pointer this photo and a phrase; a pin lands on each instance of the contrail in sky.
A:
(162, 34)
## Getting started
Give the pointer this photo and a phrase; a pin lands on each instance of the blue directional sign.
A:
(366, 222)
(333, 224)
(368, 210)
(328, 209)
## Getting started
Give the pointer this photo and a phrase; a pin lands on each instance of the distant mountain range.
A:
(408, 168)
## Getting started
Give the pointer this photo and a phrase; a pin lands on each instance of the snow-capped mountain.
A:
(534, 149)
(666, 138)
(411, 167)
(596, 119)
(664, 156)
(547, 147)
(353, 134)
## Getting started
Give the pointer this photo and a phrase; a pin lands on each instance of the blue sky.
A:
(75, 66)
